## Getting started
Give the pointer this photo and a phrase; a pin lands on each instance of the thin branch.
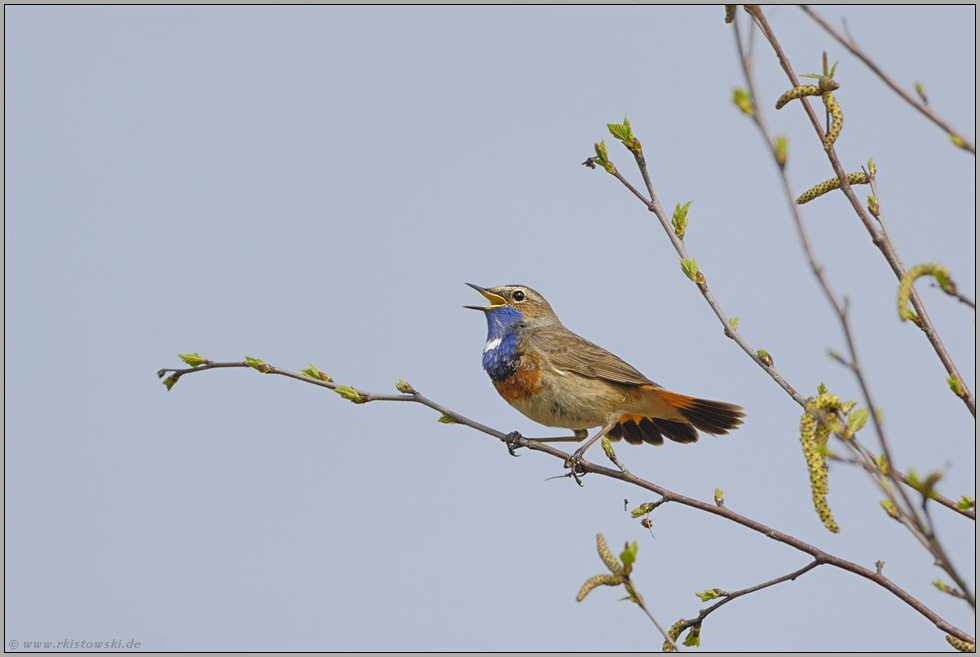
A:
(725, 512)
(839, 309)
(878, 237)
(848, 43)
(920, 526)
(653, 205)
(944, 501)
(515, 440)
(962, 297)
(729, 596)
(638, 599)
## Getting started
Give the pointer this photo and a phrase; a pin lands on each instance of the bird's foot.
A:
(511, 441)
(574, 463)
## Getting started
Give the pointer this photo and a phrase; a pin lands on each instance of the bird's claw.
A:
(510, 440)
(574, 463)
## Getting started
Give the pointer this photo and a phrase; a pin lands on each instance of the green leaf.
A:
(690, 268)
(445, 419)
(313, 373)
(194, 360)
(170, 382)
(404, 387)
(602, 157)
(641, 510)
(679, 219)
(743, 101)
(257, 364)
(693, 637)
(966, 503)
(628, 557)
(349, 393)
(602, 152)
(822, 388)
(734, 323)
(857, 419)
(782, 149)
(622, 131)
(709, 594)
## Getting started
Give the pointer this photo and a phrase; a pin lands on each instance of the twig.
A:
(920, 526)
(878, 237)
(729, 596)
(516, 440)
(653, 205)
(839, 309)
(848, 43)
(638, 599)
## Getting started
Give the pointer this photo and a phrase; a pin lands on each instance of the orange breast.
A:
(523, 383)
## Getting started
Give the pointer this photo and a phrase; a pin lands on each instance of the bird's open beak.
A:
(496, 301)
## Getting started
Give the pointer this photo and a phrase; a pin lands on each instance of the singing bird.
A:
(560, 379)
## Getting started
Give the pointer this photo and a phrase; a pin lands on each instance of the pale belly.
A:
(568, 401)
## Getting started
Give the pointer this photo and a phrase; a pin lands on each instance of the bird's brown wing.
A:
(568, 351)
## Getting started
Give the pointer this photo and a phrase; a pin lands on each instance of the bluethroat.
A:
(560, 379)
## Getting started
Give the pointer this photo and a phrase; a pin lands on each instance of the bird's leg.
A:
(514, 436)
(580, 435)
(574, 460)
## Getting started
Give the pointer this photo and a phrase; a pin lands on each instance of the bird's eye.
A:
(518, 295)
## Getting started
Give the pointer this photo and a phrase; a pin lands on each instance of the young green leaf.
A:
(194, 360)
(314, 373)
(857, 419)
(349, 393)
(679, 220)
(258, 364)
(690, 268)
(628, 556)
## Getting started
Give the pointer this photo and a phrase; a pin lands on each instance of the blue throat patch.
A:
(500, 356)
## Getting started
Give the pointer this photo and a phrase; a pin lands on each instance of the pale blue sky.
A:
(316, 185)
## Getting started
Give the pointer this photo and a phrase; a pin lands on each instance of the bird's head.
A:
(513, 311)
(510, 303)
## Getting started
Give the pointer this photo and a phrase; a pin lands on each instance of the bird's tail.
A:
(712, 417)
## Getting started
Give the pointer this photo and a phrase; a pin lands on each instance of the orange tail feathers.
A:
(717, 418)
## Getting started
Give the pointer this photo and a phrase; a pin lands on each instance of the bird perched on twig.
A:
(560, 379)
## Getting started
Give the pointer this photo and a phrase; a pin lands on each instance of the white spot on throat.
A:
(492, 344)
